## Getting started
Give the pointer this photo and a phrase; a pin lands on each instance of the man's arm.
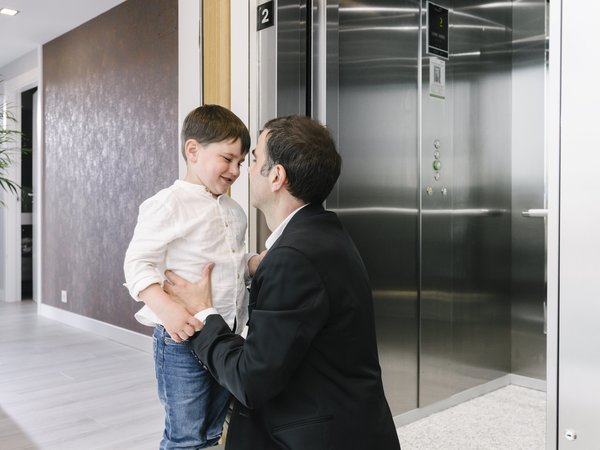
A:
(291, 309)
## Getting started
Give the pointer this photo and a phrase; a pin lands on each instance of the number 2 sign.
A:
(265, 17)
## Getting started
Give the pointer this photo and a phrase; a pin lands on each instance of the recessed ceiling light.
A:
(8, 11)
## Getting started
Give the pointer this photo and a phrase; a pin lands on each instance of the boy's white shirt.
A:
(182, 228)
(203, 315)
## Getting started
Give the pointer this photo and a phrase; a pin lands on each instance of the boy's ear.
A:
(191, 150)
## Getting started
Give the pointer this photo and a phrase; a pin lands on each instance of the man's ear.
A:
(278, 177)
(192, 147)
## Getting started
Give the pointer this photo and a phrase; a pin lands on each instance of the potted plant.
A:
(9, 136)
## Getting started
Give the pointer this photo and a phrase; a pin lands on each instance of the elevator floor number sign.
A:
(265, 17)
(437, 30)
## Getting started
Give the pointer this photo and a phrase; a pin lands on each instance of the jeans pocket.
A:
(168, 340)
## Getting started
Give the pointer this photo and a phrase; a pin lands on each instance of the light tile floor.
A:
(62, 388)
(511, 418)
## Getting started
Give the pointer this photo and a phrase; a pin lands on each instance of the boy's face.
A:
(215, 165)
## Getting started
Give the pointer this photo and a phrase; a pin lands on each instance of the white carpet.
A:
(511, 418)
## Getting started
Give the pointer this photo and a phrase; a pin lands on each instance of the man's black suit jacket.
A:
(308, 376)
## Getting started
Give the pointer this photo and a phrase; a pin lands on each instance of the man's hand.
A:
(194, 296)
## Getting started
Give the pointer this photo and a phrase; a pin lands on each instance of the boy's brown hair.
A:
(213, 123)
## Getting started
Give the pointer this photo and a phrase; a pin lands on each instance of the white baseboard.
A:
(12, 299)
(118, 334)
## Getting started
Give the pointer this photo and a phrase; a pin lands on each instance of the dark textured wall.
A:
(110, 135)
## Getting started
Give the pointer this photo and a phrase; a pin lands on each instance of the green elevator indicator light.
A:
(437, 165)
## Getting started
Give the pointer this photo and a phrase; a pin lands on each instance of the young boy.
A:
(182, 228)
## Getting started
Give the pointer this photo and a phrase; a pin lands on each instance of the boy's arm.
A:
(156, 227)
(178, 322)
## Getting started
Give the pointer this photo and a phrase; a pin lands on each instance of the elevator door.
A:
(377, 195)
(426, 185)
(372, 111)
(283, 58)
(466, 203)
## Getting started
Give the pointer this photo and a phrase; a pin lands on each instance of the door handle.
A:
(535, 213)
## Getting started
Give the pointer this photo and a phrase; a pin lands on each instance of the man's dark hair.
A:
(208, 124)
(306, 150)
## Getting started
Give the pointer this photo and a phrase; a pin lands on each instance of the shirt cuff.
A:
(202, 315)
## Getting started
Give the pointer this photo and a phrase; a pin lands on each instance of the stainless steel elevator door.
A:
(283, 58)
(465, 296)
(528, 190)
(441, 260)
(377, 194)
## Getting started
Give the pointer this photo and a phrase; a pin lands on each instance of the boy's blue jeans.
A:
(195, 404)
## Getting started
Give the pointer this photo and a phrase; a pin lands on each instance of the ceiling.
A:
(40, 21)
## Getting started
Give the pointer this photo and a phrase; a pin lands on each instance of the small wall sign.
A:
(437, 78)
(265, 17)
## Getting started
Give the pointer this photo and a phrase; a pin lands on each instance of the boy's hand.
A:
(178, 322)
(254, 262)
(195, 297)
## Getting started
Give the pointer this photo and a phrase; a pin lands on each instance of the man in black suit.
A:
(307, 377)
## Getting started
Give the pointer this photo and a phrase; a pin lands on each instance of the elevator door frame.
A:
(252, 94)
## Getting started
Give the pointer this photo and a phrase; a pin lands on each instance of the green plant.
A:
(8, 139)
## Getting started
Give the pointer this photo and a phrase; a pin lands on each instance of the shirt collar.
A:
(195, 187)
(279, 230)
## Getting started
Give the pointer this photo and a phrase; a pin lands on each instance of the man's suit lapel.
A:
(307, 211)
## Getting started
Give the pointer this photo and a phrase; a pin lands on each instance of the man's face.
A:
(259, 184)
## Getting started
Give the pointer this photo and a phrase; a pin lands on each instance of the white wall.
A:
(19, 66)
(190, 65)
(18, 76)
(239, 88)
(190, 74)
